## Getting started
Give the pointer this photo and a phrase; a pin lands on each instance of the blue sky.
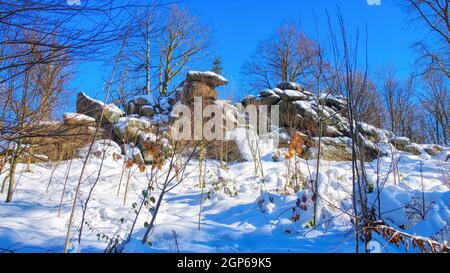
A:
(239, 25)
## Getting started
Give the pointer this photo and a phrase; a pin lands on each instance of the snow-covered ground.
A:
(247, 222)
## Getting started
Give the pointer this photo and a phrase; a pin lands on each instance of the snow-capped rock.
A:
(100, 148)
(267, 92)
(78, 119)
(94, 108)
(290, 86)
(267, 100)
(130, 129)
(292, 95)
(207, 77)
(400, 142)
(132, 152)
(147, 111)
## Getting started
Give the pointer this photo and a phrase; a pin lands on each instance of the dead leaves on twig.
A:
(398, 238)
(157, 153)
(295, 146)
(300, 205)
(129, 164)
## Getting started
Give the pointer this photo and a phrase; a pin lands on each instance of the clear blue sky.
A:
(239, 25)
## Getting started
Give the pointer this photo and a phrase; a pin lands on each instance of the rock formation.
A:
(203, 85)
(94, 108)
(146, 116)
(60, 140)
(301, 111)
(200, 84)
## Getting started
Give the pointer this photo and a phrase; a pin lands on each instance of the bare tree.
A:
(72, 33)
(181, 40)
(321, 83)
(434, 15)
(141, 47)
(345, 52)
(85, 161)
(436, 103)
(282, 58)
(398, 98)
(368, 103)
(32, 99)
(40, 40)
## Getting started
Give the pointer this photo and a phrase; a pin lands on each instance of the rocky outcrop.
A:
(132, 129)
(207, 77)
(200, 84)
(94, 108)
(146, 112)
(149, 106)
(150, 115)
(301, 111)
(59, 140)
(203, 85)
(290, 86)
(76, 119)
(225, 150)
(400, 142)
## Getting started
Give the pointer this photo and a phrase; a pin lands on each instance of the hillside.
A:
(256, 193)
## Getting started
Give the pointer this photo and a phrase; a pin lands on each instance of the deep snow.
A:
(248, 222)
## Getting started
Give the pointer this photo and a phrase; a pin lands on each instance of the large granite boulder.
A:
(200, 84)
(340, 149)
(147, 111)
(290, 86)
(301, 112)
(268, 100)
(77, 119)
(267, 92)
(131, 129)
(337, 103)
(209, 78)
(94, 108)
(59, 140)
(400, 142)
(414, 149)
(100, 148)
(292, 95)
(332, 148)
(433, 149)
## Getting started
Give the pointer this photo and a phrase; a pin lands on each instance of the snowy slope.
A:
(229, 224)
